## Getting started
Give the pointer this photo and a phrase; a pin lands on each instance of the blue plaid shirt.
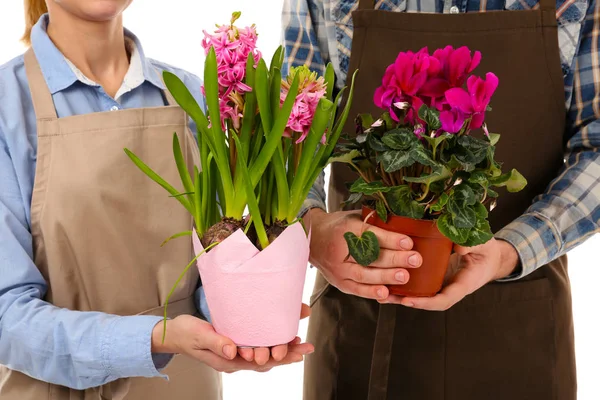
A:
(320, 31)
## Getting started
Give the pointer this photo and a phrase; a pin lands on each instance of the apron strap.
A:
(43, 104)
(366, 4)
(170, 99)
(549, 5)
(382, 350)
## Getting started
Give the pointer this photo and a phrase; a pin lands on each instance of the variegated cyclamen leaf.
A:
(513, 181)
(435, 142)
(364, 249)
(494, 138)
(400, 139)
(422, 156)
(480, 234)
(462, 216)
(368, 188)
(376, 144)
(463, 195)
(381, 210)
(439, 205)
(344, 158)
(366, 120)
(481, 211)
(439, 173)
(394, 160)
(401, 203)
(478, 177)
(447, 228)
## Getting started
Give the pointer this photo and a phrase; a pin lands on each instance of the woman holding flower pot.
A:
(84, 279)
(503, 322)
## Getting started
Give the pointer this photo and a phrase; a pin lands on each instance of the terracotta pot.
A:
(434, 247)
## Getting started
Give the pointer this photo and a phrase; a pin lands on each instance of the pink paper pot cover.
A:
(255, 297)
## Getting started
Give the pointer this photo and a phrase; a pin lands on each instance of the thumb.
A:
(461, 250)
(305, 311)
(220, 345)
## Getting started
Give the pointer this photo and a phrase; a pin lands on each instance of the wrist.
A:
(168, 345)
(311, 220)
(509, 259)
(311, 217)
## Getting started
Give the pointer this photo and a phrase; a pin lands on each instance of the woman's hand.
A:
(197, 338)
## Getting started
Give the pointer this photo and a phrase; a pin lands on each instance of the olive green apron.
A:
(507, 340)
(97, 224)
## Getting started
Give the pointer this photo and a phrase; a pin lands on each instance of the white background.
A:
(171, 31)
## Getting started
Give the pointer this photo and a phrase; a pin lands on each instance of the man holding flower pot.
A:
(505, 328)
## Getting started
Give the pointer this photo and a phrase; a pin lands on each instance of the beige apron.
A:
(97, 223)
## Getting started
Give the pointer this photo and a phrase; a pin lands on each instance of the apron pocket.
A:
(500, 344)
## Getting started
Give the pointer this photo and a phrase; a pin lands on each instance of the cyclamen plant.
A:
(262, 143)
(420, 159)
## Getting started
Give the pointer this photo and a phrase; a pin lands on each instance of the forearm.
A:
(69, 348)
(562, 218)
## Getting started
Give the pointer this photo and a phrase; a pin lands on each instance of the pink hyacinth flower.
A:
(233, 46)
(311, 89)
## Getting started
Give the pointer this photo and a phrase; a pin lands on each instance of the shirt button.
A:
(453, 10)
(114, 108)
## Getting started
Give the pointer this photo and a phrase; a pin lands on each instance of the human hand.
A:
(197, 338)
(329, 253)
(470, 268)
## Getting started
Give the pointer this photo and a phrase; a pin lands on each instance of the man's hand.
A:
(197, 338)
(470, 268)
(329, 252)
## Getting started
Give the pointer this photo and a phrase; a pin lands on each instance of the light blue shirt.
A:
(70, 348)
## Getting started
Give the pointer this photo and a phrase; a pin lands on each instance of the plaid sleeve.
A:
(316, 197)
(305, 35)
(569, 211)
(305, 43)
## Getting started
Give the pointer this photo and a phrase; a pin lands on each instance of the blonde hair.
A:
(34, 9)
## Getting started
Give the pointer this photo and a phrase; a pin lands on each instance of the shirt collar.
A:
(60, 75)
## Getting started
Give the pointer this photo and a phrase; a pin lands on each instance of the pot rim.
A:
(423, 228)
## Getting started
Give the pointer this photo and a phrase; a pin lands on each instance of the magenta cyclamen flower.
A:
(311, 89)
(457, 64)
(471, 103)
(452, 121)
(404, 79)
(455, 67)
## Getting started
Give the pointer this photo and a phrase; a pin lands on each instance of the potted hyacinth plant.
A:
(262, 144)
(426, 166)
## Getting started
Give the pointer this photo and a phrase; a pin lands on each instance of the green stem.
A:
(198, 197)
(156, 178)
(252, 201)
(273, 132)
(309, 148)
(270, 201)
(249, 108)
(283, 193)
(220, 149)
